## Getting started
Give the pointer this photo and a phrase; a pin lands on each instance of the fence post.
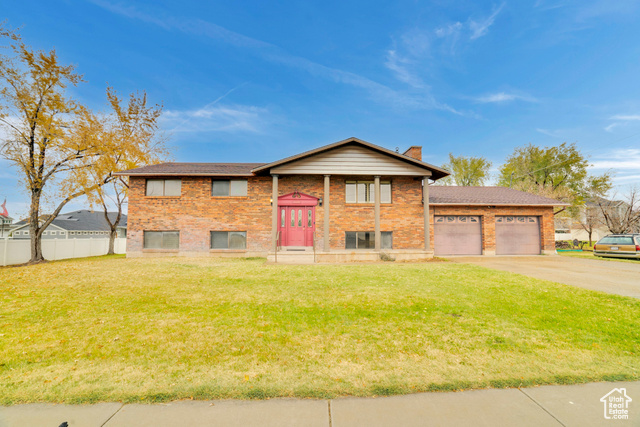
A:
(4, 254)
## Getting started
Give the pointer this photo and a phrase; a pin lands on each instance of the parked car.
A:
(618, 246)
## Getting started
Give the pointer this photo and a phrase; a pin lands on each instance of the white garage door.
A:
(517, 235)
(457, 235)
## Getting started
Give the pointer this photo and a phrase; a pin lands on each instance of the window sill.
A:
(229, 197)
(162, 250)
(162, 197)
(227, 250)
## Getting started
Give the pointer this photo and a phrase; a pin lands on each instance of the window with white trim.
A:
(228, 240)
(364, 192)
(164, 187)
(161, 240)
(229, 187)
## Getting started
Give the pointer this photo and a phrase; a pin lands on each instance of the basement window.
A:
(364, 192)
(164, 187)
(161, 239)
(228, 240)
(229, 187)
(367, 240)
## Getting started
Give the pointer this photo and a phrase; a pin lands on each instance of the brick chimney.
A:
(415, 152)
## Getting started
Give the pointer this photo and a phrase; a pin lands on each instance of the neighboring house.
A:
(82, 224)
(589, 216)
(327, 198)
(6, 225)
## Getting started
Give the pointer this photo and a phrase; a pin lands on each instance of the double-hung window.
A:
(161, 239)
(229, 187)
(365, 192)
(228, 240)
(164, 187)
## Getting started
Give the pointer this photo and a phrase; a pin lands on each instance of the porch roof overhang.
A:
(414, 167)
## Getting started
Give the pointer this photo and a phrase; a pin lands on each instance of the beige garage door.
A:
(457, 235)
(517, 235)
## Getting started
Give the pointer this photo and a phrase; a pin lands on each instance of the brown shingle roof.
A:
(194, 169)
(452, 195)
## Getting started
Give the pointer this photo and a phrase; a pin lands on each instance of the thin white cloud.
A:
(628, 158)
(623, 163)
(449, 30)
(548, 5)
(481, 28)
(620, 120)
(550, 132)
(400, 66)
(611, 127)
(218, 118)
(272, 53)
(500, 97)
(622, 117)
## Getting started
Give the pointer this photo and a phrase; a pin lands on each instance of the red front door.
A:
(296, 225)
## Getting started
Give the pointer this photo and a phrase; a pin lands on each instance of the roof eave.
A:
(499, 204)
(143, 174)
(439, 173)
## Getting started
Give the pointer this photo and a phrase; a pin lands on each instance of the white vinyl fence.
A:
(18, 251)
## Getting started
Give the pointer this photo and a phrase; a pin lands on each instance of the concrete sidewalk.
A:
(577, 405)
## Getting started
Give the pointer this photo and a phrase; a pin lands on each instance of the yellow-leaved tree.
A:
(60, 148)
(132, 135)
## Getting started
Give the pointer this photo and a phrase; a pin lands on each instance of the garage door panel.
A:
(517, 235)
(457, 235)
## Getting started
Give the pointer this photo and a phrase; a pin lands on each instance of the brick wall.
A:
(414, 151)
(196, 213)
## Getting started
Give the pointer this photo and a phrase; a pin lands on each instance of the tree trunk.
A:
(590, 241)
(34, 228)
(112, 241)
(113, 226)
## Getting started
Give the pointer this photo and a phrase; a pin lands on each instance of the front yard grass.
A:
(590, 255)
(148, 330)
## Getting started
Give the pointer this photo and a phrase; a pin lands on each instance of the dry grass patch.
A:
(159, 329)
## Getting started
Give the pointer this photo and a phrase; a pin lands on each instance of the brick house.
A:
(324, 202)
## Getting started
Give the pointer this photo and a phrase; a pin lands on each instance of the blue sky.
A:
(253, 81)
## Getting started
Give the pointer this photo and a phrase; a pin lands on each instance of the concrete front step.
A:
(302, 257)
(297, 249)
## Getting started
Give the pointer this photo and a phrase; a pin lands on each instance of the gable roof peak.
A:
(436, 172)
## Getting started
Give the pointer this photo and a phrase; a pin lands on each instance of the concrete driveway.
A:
(620, 278)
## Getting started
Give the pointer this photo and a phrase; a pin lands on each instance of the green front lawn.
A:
(117, 329)
(590, 255)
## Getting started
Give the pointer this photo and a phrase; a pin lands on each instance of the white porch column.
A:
(274, 214)
(327, 185)
(425, 195)
(378, 235)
